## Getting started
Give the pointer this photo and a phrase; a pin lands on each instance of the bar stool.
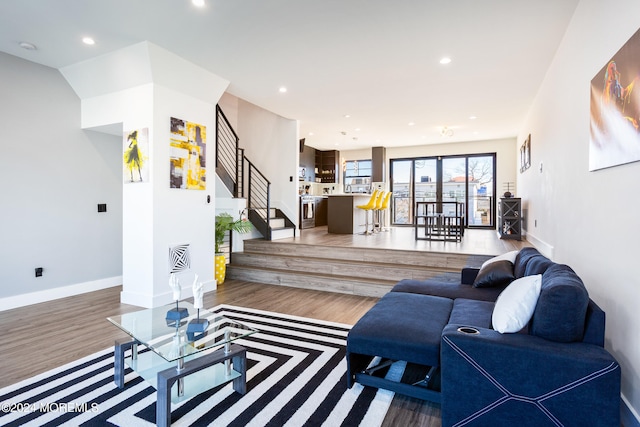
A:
(370, 206)
(375, 215)
(383, 207)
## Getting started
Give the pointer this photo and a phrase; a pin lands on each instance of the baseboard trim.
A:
(628, 417)
(544, 248)
(151, 301)
(23, 300)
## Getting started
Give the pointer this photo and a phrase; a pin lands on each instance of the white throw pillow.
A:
(515, 305)
(509, 256)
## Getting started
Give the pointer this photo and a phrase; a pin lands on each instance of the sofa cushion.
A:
(497, 273)
(537, 264)
(521, 261)
(402, 326)
(516, 304)
(448, 289)
(509, 256)
(468, 312)
(562, 306)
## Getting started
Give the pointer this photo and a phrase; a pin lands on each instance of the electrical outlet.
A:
(39, 271)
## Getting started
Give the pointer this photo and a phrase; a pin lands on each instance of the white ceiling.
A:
(375, 60)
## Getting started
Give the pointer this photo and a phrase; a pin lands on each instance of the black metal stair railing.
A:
(259, 200)
(230, 167)
(229, 155)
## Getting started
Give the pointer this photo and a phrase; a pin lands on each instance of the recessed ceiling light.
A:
(411, 124)
(357, 129)
(445, 60)
(198, 3)
(310, 133)
(282, 89)
(472, 117)
(346, 116)
(28, 46)
(88, 40)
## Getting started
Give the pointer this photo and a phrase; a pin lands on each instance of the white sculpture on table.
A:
(176, 314)
(174, 284)
(198, 291)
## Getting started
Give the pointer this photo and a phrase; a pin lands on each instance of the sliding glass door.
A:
(481, 183)
(402, 188)
(466, 179)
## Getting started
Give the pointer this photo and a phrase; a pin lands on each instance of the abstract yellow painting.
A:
(188, 155)
(136, 154)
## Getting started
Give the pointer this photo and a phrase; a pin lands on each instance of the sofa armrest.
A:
(468, 275)
(518, 379)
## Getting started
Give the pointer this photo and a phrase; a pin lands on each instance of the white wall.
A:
(182, 216)
(589, 218)
(55, 174)
(156, 217)
(271, 144)
(507, 162)
(504, 149)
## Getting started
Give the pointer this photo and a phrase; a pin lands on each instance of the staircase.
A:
(231, 163)
(358, 271)
(279, 226)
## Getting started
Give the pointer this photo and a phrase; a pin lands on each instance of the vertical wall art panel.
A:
(136, 155)
(615, 109)
(525, 154)
(188, 155)
(179, 258)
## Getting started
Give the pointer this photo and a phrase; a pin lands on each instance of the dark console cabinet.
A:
(510, 218)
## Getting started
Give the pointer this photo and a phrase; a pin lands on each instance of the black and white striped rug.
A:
(295, 377)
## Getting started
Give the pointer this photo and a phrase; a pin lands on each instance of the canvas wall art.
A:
(188, 155)
(615, 109)
(136, 156)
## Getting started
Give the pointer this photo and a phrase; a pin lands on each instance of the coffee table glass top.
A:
(157, 329)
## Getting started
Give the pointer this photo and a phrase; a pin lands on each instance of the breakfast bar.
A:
(343, 217)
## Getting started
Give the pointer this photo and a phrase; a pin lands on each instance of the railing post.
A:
(249, 196)
(269, 209)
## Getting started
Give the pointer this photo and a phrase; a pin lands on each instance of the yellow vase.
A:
(220, 268)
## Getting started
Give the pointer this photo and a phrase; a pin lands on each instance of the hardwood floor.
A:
(474, 242)
(43, 336)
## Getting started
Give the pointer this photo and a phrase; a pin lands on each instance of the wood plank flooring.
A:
(474, 242)
(43, 336)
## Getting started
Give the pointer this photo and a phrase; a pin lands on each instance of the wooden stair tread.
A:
(425, 268)
(323, 275)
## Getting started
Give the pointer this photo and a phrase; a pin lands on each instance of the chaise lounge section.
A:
(516, 341)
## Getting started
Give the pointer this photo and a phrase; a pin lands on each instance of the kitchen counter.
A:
(343, 217)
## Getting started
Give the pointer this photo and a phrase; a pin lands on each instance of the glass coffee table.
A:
(188, 353)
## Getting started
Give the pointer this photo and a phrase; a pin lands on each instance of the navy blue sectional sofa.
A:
(552, 370)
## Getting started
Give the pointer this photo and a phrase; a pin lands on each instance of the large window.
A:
(357, 176)
(468, 179)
